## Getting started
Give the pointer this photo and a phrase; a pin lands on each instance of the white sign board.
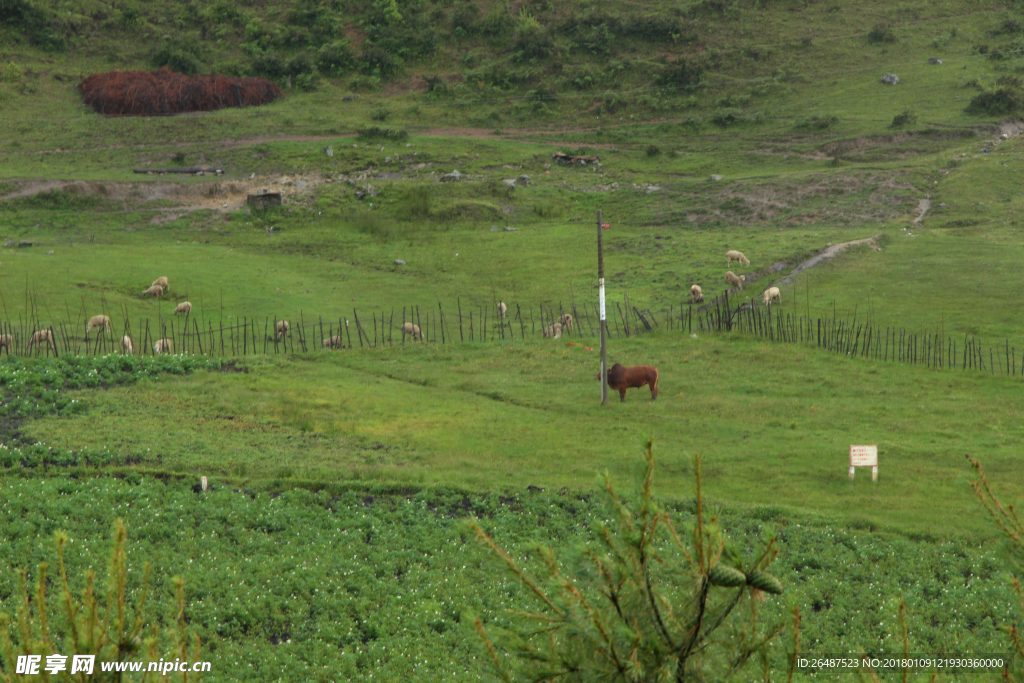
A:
(600, 295)
(864, 456)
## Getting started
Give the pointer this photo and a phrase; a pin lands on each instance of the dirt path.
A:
(830, 253)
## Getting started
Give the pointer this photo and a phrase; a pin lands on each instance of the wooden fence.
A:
(478, 324)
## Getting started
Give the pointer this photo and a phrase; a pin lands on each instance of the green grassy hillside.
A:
(762, 127)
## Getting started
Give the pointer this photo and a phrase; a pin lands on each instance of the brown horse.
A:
(621, 378)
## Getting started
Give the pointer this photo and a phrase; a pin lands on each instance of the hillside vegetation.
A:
(758, 126)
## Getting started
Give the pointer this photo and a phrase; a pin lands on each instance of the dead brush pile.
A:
(141, 93)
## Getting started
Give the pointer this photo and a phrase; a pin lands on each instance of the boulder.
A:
(451, 177)
(716, 177)
(890, 79)
(399, 262)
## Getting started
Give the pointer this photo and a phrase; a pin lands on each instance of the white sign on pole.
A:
(600, 295)
(864, 456)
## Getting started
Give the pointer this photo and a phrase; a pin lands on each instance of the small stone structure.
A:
(264, 200)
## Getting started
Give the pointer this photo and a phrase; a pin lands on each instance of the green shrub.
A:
(380, 114)
(817, 121)
(383, 133)
(269, 65)
(678, 74)
(881, 34)
(379, 62)
(906, 118)
(532, 42)
(336, 58)
(182, 57)
(653, 150)
(998, 102)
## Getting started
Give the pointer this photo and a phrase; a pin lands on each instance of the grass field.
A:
(719, 126)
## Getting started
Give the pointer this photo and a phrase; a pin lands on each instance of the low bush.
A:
(881, 34)
(906, 118)
(383, 133)
(998, 102)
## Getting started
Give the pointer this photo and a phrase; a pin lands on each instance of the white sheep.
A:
(696, 294)
(98, 321)
(155, 290)
(414, 330)
(161, 282)
(334, 342)
(734, 279)
(565, 320)
(42, 337)
(553, 331)
(501, 310)
(736, 256)
(184, 307)
(772, 294)
(163, 346)
(281, 328)
(127, 346)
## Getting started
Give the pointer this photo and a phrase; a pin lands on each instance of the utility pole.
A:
(604, 325)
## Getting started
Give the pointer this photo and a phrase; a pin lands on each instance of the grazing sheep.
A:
(414, 330)
(735, 280)
(281, 328)
(565, 320)
(155, 290)
(772, 294)
(621, 378)
(501, 310)
(161, 282)
(184, 307)
(98, 321)
(553, 331)
(127, 346)
(42, 337)
(163, 346)
(736, 256)
(696, 294)
(334, 342)
(6, 342)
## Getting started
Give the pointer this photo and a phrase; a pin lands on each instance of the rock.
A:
(523, 180)
(511, 182)
(11, 243)
(329, 151)
(508, 229)
(890, 79)
(934, 60)
(716, 178)
(494, 228)
(360, 195)
(399, 262)
(248, 212)
(651, 188)
(299, 183)
(25, 243)
(387, 160)
(50, 252)
(451, 177)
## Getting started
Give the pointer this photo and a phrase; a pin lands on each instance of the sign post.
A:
(600, 297)
(864, 456)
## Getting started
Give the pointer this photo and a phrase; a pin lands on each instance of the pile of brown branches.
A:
(141, 93)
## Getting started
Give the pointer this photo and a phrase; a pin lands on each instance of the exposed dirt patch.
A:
(215, 195)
